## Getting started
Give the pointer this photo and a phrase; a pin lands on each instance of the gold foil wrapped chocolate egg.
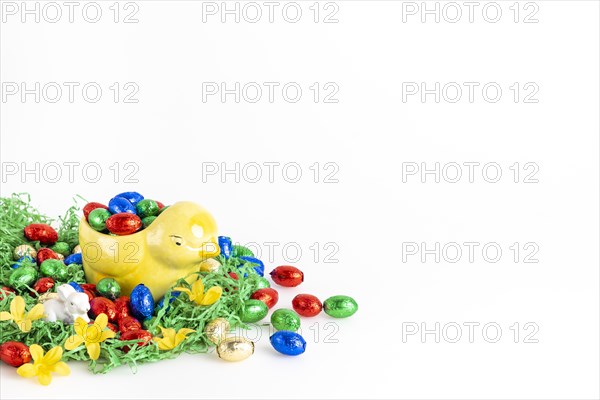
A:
(216, 330)
(24, 250)
(76, 249)
(210, 265)
(235, 349)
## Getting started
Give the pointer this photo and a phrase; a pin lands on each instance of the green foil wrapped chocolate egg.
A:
(55, 269)
(241, 251)
(147, 221)
(108, 288)
(340, 306)
(97, 219)
(147, 208)
(254, 311)
(262, 283)
(284, 319)
(23, 276)
(61, 248)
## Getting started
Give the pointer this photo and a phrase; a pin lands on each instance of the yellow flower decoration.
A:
(198, 296)
(43, 365)
(170, 339)
(17, 314)
(90, 335)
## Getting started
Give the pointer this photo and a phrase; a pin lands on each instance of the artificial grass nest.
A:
(16, 213)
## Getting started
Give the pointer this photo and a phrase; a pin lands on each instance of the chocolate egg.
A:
(235, 349)
(241, 251)
(268, 296)
(147, 208)
(76, 286)
(46, 254)
(43, 285)
(55, 269)
(108, 288)
(288, 343)
(24, 261)
(101, 305)
(89, 286)
(225, 246)
(23, 276)
(24, 250)
(123, 224)
(340, 306)
(287, 276)
(122, 307)
(97, 219)
(147, 221)
(261, 283)
(285, 320)
(307, 305)
(77, 249)
(75, 258)
(118, 205)
(14, 353)
(129, 324)
(144, 338)
(216, 330)
(133, 197)
(141, 302)
(254, 311)
(62, 248)
(89, 207)
(258, 265)
(43, 233)
(210, 265)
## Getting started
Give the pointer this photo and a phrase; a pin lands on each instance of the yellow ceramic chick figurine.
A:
(173, 246)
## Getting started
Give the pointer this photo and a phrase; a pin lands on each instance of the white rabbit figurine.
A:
(69, 305)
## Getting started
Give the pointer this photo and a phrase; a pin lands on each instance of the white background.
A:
(172, 136)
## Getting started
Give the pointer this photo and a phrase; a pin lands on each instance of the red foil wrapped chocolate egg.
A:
(102, 305)
(123, 224)
(287, 276)
(268, 296)
(46, 254)
(144, 338)
(42, 232)
(89, 207)
(122, 306)
(307, 305)
(129, 324)
(43, 285)
(14, 353)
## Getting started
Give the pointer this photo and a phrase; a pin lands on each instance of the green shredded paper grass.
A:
(16, 213)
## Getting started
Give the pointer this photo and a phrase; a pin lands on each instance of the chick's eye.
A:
(178, 240)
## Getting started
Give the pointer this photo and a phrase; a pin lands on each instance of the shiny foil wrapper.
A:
(14, 353)
(42, 232)
(235, 349)
(24, 250)
(216, 330)
(307, 305)
(287, 276)
(123, 224)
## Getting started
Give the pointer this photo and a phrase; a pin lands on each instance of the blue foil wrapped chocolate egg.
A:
(259, 267)
(226, 246)
(76, 286)
(288, 343)
(133, 197)
(141, 302)
(74, 259)
(118, 205)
